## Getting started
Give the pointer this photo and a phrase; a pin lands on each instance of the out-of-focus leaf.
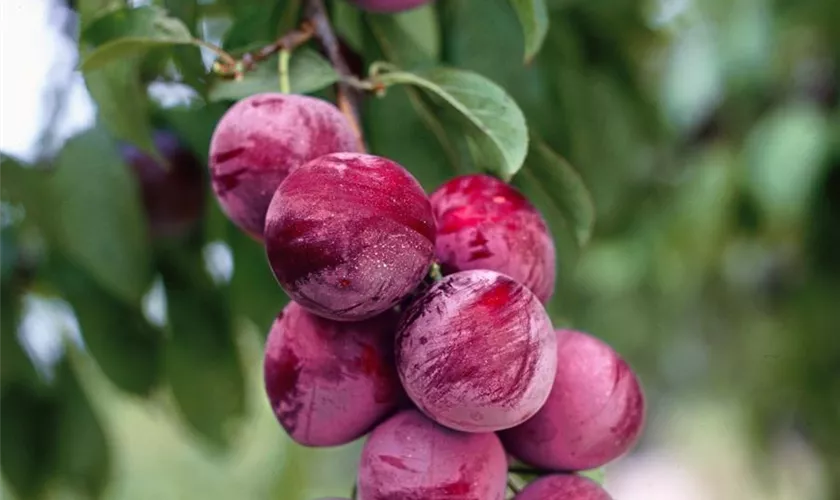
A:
(785, 154)
(98, 215)
(254, 291)
(128, 350)
(84, 457)
(410, 39)
(185, 10)
(123, 102)
(259, 22)
(553, 174)
(15, 365)
(533, 16)
(308, 72)
(127, 33)
(492, 121)
(195, 125)
(202, 362)
(28, 430)
(89, 10)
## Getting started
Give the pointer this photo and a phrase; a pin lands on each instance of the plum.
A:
(173, 195)
(484, 223)
(563, 487)
(263, 137)
(594, 414)
(329, 383)
(349, 235)
(477, 352)
(388, 6)
(409, 457)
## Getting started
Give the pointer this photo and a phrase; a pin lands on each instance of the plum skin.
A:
(173, 195)
(329, 383)
(263, 137)
(349, 235)
(563, 487)
(388, 6)
(595, 413)
(409, 457)
(477, 352)
(484, 223)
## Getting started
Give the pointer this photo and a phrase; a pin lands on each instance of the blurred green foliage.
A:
(704, 137)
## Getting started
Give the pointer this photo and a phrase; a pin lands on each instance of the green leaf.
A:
(130, 32)
(409, 39)
(308, 72)
(123, 103)
(202, 362)
(554, 176)
(533, 16)
(98, 214)
(84, 457)
(493, 123)
(28, 422)
(128, 350)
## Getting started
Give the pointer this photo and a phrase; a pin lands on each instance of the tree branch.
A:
(348, 97)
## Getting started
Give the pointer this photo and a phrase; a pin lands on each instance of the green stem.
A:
(283, 63)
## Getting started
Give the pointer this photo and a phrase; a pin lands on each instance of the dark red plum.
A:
(388, 6)
(563, 487)
(477, 352)
(409, 457)
(349, 235)
(173, 195)
(329, 383)
(260, 139)
(484, 223)
(595, 412)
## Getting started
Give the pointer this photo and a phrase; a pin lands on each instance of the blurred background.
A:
(707, 131)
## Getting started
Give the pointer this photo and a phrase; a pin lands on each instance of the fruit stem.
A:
(283, 70)
(348, 98)
(435, 273)
(516, 483)
(229, 66)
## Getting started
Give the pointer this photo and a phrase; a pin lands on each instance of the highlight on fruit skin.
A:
(477, 352)
(349, 235)
(173, 194)
(260, 139)
(563, 487)
(328, 382)
(388, 6)
(485, 223)
(410, 457)
(594, 414)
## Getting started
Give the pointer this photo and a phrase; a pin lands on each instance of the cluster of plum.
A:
(418, 319)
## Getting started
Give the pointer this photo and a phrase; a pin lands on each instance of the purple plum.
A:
(173, 195)
(263, 137)
(563, 487)
(388, 6)
(329, 383)
(595, 412)
(349, 235)
(484, 223)
(409, 457)
(477, 352)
